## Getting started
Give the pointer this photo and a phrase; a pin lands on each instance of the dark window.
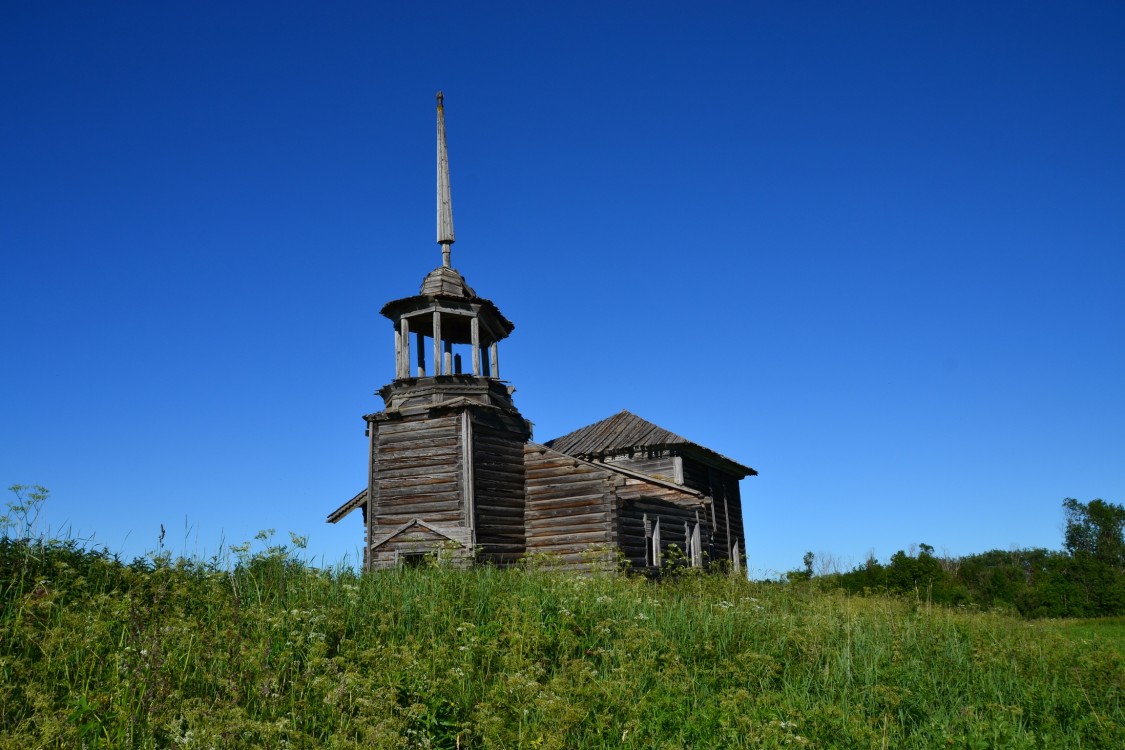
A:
(412, 559)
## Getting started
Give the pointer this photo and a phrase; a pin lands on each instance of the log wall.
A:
(725, 516)
(656, 464)
(571, 506)
(498, 492)
(419, 542)
(734, 508)
(417, 473)
(631, 529)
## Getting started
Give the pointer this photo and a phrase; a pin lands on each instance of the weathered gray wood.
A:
(424, 483)
(474, 335)
(564, 502)
(661, 465)
(432, 454)
(411, 466)
(437, 343)
(499, 476)
(417, 476)
(434, 440)
(451, 448)
(467, 483)
(398, 351)
(397, 497)
(436, 512)
(419, 431)
(719, 489)
(583, 492)
(435, 515)
(593, 523)
(445, 236)
(557, 511)
(395, 434)
(404, 325)
(574, 540)
(561, 480)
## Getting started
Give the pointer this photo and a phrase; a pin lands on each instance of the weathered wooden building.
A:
(452, 469)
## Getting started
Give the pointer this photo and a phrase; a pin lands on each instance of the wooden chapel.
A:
(452, 471)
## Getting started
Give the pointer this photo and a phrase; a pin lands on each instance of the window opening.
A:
(412, 559)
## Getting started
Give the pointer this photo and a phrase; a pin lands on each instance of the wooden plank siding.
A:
(459, 476)
(498, 493)
(657, 463)
(627, 440)
(734, 507)
(725, 514)
(418, 540)
(571, 506)
(631, 530)
(417, 474)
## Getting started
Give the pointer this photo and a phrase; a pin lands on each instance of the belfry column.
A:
(404, 325)
(474, 335)
(398, 351)
(437, 343)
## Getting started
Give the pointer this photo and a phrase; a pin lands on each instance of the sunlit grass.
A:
(1108, 631)
(265, 651)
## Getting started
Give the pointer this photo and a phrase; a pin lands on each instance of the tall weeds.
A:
(267, 651)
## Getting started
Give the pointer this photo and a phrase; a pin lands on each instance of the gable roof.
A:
(451, 532)
(624, 432)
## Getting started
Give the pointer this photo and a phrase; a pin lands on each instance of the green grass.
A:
(1104, 631)
(273, 653)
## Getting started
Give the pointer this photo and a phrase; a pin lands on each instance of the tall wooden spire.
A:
(444, 202)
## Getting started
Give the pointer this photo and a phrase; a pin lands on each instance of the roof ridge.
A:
(625, 431)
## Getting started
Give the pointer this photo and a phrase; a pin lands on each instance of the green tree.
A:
(1095, 529)
(805, 574)
(1094, 539)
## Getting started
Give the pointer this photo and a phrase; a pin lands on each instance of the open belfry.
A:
(452, 471)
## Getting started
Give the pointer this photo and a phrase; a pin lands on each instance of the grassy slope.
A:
(279, 655)
(1108, 630)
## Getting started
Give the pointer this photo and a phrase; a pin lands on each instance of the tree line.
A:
(1084, 579)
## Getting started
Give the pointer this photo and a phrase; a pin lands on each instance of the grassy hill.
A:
(268, 652)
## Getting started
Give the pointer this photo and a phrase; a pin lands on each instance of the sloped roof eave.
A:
(687, 496)
(391, 310)
(358, 501)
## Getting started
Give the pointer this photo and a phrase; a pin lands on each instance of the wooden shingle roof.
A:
(446, 282)
(448, 285)
(624, 432)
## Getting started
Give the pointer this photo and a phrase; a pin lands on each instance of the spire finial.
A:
(444, 202)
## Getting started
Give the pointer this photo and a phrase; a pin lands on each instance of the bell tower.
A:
(446, 472)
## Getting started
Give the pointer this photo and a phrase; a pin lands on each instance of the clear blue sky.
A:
(874, 250)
